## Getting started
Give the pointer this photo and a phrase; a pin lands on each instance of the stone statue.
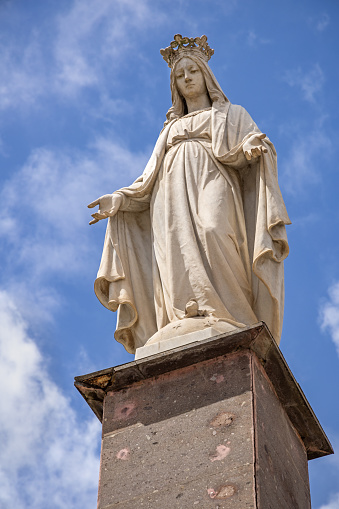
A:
(198, 240)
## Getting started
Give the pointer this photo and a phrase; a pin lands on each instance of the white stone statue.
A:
(198, 240)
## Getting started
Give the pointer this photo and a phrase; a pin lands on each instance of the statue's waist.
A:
(179, 139)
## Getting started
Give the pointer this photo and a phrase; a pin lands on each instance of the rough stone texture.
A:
(281, 459)
(217, 424)
(181, 438)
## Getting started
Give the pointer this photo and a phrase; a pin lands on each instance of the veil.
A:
(216, 95)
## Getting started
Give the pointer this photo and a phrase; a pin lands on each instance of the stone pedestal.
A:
(217, 424)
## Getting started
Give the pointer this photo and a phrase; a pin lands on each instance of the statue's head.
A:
(190, 53)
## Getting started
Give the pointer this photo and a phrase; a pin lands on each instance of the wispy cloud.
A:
(45, 232)
(49, 458)
(3, 151)
(320, 23)
(333, 504)
(94, 37)
(254, 40)
(303, 164)
(329, 314)
(22, 73)
(323, 22)
(87, 43)
(326, 475)
(310, 83)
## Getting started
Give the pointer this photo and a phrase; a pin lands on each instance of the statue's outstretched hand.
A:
(108, 206)
(253, 147)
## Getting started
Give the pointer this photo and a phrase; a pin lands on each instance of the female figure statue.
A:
(199, 239)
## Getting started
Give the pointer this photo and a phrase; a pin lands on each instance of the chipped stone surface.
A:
(177, 392)
(223, 492)
(209, 431)
(181, 439)
(281, 459)
(176, 453)
(257, 339)
(222, 420)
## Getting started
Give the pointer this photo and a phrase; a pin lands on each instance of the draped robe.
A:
(201, 224)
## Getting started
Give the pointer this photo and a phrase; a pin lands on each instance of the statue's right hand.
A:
(108, 206)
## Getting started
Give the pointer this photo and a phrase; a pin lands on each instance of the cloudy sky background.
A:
(83, 95)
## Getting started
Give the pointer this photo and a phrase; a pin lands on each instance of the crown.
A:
(184, 44)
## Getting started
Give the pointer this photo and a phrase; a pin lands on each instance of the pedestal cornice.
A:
(94, 386)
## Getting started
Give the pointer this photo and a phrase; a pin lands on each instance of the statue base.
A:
(187, 327)
(174, 342)
(220, 423)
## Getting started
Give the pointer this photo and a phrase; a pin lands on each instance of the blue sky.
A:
(83, 95)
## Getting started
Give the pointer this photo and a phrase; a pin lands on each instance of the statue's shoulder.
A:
(239, 115)
(236, 109)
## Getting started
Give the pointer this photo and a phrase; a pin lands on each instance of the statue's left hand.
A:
(253, 147)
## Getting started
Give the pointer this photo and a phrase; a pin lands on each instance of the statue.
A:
(198, 240)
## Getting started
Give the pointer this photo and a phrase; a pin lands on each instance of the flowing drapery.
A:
(200, 223)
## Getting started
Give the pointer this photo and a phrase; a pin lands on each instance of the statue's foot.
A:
(191, 309)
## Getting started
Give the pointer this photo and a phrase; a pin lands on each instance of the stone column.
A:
(220, 423)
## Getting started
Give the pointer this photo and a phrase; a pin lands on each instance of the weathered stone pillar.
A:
(216, 424)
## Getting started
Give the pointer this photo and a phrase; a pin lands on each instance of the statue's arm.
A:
(109, 204)
(246, 152)
(245, 142)
(136, 197)
(133, 203)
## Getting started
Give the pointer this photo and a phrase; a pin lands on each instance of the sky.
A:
(83, 95)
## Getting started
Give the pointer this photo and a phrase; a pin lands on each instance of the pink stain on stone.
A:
(217, 378)
(211, 492)
(123, 454)
(123, 411)
(222, 452)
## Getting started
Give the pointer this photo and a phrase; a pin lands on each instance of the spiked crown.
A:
(186, 45)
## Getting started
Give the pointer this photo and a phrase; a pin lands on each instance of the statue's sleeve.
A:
(264, 211)
(238, 128)
(134, 204)
(124, 279)
(136, 197)
(265, 217)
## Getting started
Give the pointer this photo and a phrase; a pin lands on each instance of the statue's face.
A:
(189, 79)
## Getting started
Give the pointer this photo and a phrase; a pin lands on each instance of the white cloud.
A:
(253, 40)
(333, 504)
(303, 165)
(322, 22)
(327, 470)
(22, 73)
(329, 314)
(48, 200)
(95, 36)
(86, 43)
(2, 148)
(45, 232)
(319, 23)
(310, 83)
(48, 457)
